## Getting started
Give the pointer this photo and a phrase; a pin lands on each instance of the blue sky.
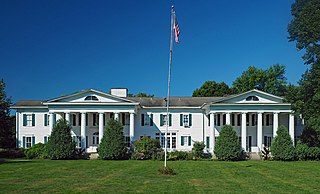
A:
(53, 48)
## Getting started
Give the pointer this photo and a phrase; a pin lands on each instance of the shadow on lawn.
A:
(10, 161)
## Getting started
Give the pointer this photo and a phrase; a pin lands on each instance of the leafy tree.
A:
(305, 31)
(7, 133)
(271, 80)
(282, 146)
(197, 149)
(112, 146)
(141, 94)
(212, 88)
(227, 146)
(60, 145)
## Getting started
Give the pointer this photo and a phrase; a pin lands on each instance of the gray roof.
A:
(144, 101)
(29, 103)
(174, 101)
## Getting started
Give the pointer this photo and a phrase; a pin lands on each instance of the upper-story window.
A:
(91, 98)
(252, 98)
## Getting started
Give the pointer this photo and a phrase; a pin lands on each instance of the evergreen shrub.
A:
(37, 151)
(282, 146)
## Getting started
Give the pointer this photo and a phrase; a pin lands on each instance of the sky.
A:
(54, 48)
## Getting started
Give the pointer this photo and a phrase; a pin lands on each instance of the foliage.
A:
(12, 153)
(197, 149)
(271, 80)
(7, 123)
(141, 94)
(166, 170)
(37, 151)
(304, 30)
(60, 145)
(227, 146)
(310, 137)
(212, 88)
(180, 155)
(112, 145)
(146, 148)
(304, 152)
(282, 145)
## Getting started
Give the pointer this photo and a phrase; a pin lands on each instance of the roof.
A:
(29, 103)
(174, 101)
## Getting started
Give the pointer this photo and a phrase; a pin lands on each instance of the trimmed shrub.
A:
(197, 149)
(60, 145)
(113, 146)
(282, 146)
(304, 152)
(180, 155)
(37, 151)
(228, 146)
(146, 148)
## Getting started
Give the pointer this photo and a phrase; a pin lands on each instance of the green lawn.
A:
(29, 176)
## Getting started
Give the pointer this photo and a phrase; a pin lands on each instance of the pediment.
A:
(251, 97)
(89, 96)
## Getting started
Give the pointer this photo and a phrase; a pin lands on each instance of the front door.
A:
(95, 139)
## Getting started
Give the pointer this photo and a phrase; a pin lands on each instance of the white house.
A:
(255, 115)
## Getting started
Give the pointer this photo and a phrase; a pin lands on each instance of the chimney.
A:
(120, 92)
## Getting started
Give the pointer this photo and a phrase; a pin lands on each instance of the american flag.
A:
(176, 28)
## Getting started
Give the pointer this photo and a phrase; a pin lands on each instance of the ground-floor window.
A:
(267, 141)
(185, 140)
(28, 142)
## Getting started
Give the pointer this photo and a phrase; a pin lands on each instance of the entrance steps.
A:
(94, 156)
(254, 156)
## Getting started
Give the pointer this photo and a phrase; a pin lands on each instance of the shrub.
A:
(282, 146)
(197, 149)
(304, 152)
(37, 151)
(166, 170)
(113, 146)
(147, 146)
(12, 153)
(60, 145)
(179, 155)
(227, 146)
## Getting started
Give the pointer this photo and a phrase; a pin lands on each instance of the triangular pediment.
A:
(90, 96)
(251, 97)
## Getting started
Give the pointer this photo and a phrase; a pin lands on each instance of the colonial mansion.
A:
(255, 116)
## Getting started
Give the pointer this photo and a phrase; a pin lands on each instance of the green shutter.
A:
(181, 119)
(161, 119)
(208, 142)
(182, 140)
(151, 120)
(189, 141)
(24, 120)
(33, 119)
(23, 141)
(45, 139)
(33, 140)
(45, 120)
(190, 120)
(142, 119)
(170, 120)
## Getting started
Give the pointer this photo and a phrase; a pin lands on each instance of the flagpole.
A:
(168, 94)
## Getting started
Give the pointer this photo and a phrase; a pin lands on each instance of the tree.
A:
(7, 133)
(112, 146)
(146, 148)
(282, 146)
(197, 149)
(304, 30)
(228, 146)
(60, 145)
(271, 80)
(141, 94)
(212, 88)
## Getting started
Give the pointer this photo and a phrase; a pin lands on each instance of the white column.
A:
(131, 126)
(212, 133)
(116, 116)
(101, 114)
(51, 120)
(275, 123)
(83, 131)
(259, 131)
(291, 127)
(244, 131)
(67, 115)
(228, 118)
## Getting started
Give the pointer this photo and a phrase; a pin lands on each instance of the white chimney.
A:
(120, 92)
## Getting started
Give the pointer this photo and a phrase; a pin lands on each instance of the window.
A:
(95, 138)
(247, 119)
(74, 120)
(28, 142)
(267, 141)
(94, 119)
(28, 120)
(207, 142)
(185, 140)
(164, 120)
(252, 98)
(253, 120)
(146, 119)
(91, 98)
(186, 120)
(218, 120)
(46, 119)
(162, 140)
(174, 141)
(267, 120)
(238, 119)
(233, 119)
(224, 119)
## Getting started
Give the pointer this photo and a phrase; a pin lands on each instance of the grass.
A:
(46, 176)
